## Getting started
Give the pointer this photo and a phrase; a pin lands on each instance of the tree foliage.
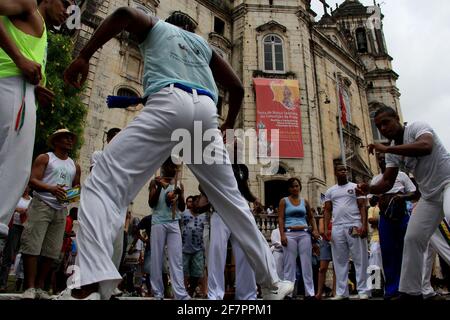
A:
(68, 110)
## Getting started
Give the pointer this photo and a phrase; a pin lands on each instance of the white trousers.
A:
(342, 246)
(375, 258)
(167, 234)
(16, 147)
(245, 276)
(426, 218)
(438, 244)
(299, 243)
(278, 255)
(128, 163)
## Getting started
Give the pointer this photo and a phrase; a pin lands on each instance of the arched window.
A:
(273, 54)
(127, 92)
(361, 40)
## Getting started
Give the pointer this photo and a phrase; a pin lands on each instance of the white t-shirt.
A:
(58, 172)
(403, 183)
(432, 172)
(23, 204)
(345, 205)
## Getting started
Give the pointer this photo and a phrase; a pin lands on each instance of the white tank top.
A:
(60, 172)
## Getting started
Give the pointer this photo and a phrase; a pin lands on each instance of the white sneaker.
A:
(30, 293)
(67, 295)
(3, 230)
(42, 294)
(283, 289)
(363, 296)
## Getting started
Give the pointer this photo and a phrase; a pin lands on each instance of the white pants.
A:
(128, 163)
(426, 218)
(438, 244)
(16, 147)
(375, 258)
(299, 243)
(279, 260)
(245, 276)
(167, 234)
(342, 245)
(118, 248)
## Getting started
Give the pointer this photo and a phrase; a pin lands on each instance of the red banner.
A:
(278, 107)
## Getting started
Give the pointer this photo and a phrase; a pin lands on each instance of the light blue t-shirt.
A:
(295, 216)
(162, 213)
(173, 55)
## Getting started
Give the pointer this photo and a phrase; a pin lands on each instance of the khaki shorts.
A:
(43, 232)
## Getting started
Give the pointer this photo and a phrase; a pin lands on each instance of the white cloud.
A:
(417, 34)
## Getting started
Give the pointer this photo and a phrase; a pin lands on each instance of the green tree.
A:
(68, 110)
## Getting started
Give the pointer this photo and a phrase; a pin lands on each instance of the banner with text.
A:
(278, 107)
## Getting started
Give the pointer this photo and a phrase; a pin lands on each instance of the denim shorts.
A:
(325, 250)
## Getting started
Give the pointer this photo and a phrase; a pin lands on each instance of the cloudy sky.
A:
(418, 38)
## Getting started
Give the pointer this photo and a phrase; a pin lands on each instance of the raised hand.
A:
(76, 74)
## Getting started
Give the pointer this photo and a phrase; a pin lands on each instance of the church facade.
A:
(338, 59)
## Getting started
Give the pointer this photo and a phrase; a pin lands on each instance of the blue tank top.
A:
(173, 55)
(294, 215)
(162, 213)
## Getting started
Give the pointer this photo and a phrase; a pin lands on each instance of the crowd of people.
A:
(181, 253)
(183, 243)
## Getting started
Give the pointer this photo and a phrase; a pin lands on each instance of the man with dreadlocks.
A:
(180, 71)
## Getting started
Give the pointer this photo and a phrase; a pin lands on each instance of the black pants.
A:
(11, 249)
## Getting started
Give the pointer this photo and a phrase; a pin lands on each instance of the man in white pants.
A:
(179, 83)
(419, 150)
(166, 232)
(245, 276)
(277, 251)
(440, 244)
(23, 55)
(246, 288)
(349, 213)
(118, 243)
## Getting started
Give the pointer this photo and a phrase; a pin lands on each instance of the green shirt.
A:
(32, 48)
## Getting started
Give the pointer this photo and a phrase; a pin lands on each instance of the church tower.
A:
(362, 26)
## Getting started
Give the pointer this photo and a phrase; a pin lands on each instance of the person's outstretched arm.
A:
(123, 19)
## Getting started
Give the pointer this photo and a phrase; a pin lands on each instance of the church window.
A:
(219, 26)
(361, 40)
(273, 54)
